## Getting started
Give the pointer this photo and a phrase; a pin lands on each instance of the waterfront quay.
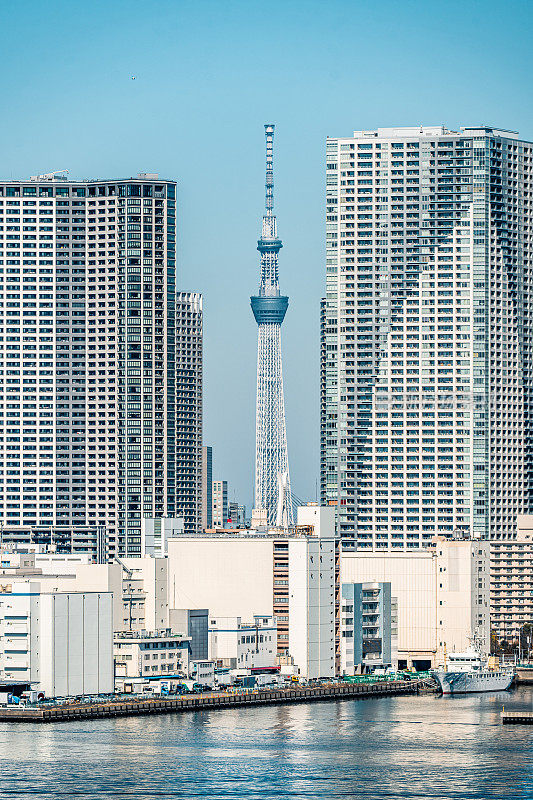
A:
(125, 706)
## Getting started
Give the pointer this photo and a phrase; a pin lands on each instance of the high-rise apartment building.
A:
(426, 334)
(207, 487)
(189, 372)
(88, 356)
(511, 581)
(220, 504)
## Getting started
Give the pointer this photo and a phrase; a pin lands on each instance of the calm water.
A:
(405, 747)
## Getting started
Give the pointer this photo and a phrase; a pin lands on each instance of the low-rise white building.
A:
(139, 585)
(202, 672)
(237, 644)
(60, 642)
(442, 594)
(151, 654)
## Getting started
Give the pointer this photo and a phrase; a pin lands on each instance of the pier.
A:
(125, 706)
(517, 717)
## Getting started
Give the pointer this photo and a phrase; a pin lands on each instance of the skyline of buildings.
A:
(425, 368)
(426, 334)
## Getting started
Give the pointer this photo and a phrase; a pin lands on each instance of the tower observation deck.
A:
(273, 500)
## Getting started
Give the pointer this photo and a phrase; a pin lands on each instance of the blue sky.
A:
(208, 76)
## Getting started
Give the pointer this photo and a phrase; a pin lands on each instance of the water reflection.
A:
(387, 748)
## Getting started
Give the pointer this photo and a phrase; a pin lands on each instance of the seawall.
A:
(122, 707)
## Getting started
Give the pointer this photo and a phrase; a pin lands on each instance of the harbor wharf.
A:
(126, 706)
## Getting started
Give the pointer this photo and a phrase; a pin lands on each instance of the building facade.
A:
(61, 642)
(368, 626)
(236, 515)
(243, 645)
(195, 623)
(426, 334)
(207, 487)
(189, 410)
(151, 654)
(219, 515)
(88, 329)
(511, 580)
(290, 575)
(155, 533)
(138, 586)
(313, 639)
(442, 594)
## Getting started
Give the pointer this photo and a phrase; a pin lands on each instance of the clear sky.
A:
(208, 75)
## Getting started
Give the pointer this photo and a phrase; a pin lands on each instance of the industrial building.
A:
(59, 642)
(442, 594)
(151, 654)
(292, 575)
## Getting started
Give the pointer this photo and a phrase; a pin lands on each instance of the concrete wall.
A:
(322, 518)
(229, 576)
(153, 572)
(463, 592)
(60, 564)
(312, 606)
(80, 628)
(223, 638)
(442, 594)
(90, 578)
(68, 649)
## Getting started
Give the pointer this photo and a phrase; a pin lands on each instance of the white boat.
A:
(470, 672)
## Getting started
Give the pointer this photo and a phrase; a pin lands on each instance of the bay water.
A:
(391, 748)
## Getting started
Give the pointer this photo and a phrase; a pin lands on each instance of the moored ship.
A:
(470, 672)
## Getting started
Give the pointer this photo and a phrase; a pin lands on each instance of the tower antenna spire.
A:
(273, 499)
(269, 182)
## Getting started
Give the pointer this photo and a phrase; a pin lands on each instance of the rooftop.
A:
(432, 131)
(144, 635)
(60, 176)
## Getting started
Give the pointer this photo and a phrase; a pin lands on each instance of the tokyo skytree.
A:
(273, 499)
